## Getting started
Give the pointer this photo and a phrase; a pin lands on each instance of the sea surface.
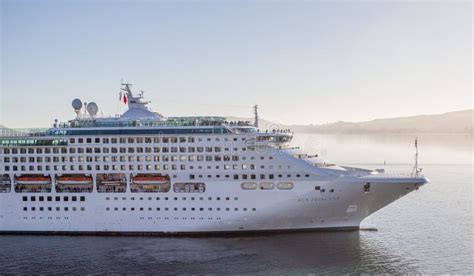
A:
(428, 231)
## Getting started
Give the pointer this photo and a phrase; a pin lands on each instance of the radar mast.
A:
(255, 111)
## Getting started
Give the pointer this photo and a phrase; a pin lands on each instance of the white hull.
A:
(225, 177)
(237, 210)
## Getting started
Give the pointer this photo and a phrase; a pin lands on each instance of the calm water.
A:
(428, 231)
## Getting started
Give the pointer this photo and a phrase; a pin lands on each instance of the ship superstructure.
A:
(143, 173)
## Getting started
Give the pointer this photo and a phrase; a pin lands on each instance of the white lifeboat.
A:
(75, 179)
(33, 180)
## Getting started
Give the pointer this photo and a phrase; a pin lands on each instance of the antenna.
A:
(126, 88)
(255, 111)
(415, 167)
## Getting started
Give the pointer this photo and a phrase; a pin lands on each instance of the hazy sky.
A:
(302, 62)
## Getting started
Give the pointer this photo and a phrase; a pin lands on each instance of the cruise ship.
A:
(142, 173)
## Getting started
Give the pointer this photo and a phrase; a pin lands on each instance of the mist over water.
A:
(427, 231)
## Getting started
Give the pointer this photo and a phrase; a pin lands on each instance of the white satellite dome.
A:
(92, 109)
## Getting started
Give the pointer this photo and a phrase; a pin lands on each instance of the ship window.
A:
(25, 208)
(41, 198)
(317, 188)
(33, 198)
(66, 209)
(33, 208)
(50, 198)
(58, 208)
(58, 198)
(66, 198)
(74, 198)
(25, 198)
(50, 208)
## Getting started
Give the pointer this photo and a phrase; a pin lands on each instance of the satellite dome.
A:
(77, 104)
(92, 109)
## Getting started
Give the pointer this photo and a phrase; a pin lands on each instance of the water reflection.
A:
(320, 252)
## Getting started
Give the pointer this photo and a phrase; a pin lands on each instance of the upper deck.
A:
(138, 120)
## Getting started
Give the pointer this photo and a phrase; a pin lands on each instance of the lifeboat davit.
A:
(110, 180)
(75, 179)
(36, 180)
(5, 179)
(150, 179)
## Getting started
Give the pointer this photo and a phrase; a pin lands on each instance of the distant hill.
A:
(452, 122)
